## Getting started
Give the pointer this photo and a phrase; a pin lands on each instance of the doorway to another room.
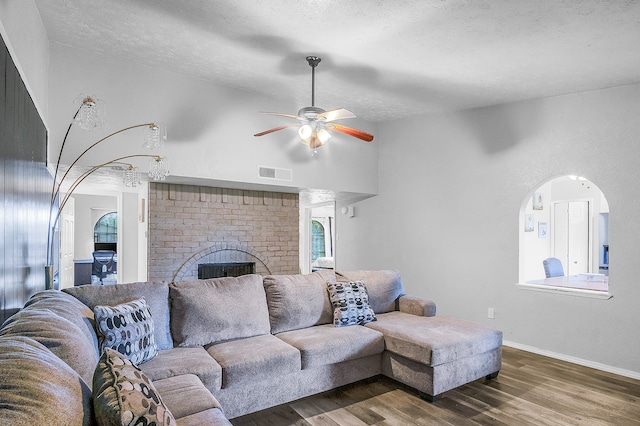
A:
(317, 237)
(113, 221)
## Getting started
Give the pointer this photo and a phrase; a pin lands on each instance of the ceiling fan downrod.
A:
(313, 63)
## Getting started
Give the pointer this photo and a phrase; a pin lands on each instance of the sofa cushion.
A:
(384, 287)
(185, 395)
(59, 335)
(67, 307)
(178, 361)
(124, 395)
(350, 303)
(155, 293)
(218, 309)
(298, 301)
(128, 329)
(51, 393)
(435, 340)
(264, 356)
(326, 344)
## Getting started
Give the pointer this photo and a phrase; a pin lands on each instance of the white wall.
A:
(26, 38)
(210, 128)
(447, 216)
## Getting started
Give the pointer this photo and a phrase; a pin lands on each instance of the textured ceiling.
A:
(381, 59)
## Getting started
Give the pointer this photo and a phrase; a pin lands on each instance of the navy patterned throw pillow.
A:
(128, 329)
(350, 303)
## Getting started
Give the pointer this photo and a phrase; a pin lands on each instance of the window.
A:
(564, 223)
(106, 229)
(317, 240)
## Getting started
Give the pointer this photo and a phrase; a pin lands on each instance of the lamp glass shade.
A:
(154, 137)
(158, 169)
(91, 114)
(131, 177)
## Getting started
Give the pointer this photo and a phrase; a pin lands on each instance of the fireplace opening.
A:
(229, 269)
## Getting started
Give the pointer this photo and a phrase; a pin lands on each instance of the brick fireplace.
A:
(194, 225)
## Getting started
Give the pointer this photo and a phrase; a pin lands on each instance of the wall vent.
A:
(275, 173)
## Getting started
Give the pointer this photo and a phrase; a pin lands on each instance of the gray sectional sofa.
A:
(231, 346)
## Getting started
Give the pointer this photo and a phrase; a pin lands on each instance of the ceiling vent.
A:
(275, 173)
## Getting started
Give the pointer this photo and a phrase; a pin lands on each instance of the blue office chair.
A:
(553, 267)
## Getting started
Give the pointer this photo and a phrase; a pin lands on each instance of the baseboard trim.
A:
(574, 360)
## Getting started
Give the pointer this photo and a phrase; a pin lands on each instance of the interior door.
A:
(571, 236)
(66, 244)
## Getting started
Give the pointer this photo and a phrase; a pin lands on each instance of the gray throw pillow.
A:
(128, 329)
(350, 303)
(124, 395)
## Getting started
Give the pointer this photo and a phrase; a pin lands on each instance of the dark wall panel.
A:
(25, 186)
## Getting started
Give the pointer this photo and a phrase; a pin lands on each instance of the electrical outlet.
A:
(491, 313)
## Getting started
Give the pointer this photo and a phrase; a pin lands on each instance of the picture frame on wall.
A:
(542, 229)
(538, 201)
(529, 222)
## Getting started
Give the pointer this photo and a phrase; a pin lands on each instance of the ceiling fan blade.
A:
(275, 129)
(280, 114)
(336, 114)
(351, 132)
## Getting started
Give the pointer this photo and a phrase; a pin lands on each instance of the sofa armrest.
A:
(417, 306)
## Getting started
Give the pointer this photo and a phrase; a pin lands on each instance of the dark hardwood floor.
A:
(530, 390)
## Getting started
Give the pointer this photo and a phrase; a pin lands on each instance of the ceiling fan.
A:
(315, 123)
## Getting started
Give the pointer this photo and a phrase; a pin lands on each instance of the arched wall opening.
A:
(567, 218)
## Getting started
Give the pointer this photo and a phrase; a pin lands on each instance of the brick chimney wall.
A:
(185, 220)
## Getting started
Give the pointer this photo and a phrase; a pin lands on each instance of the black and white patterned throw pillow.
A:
(350, 303)
(128, 329)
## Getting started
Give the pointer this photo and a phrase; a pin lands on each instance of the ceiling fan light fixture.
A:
(305, 132)
(323, 135)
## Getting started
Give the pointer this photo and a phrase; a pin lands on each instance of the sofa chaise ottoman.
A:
(429, 353)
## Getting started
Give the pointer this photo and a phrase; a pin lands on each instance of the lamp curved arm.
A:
(84, 175)
(54, 191)
(57, 189)
(73, 187)
(64, 141)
